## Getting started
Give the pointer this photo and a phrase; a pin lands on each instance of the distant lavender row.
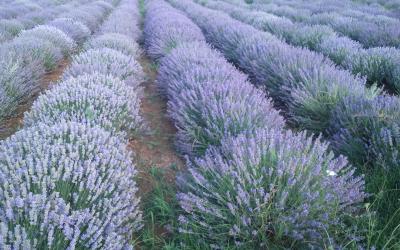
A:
(67, 179)
(127, 25)
(17, 9)
(315, 95)
(25, 59)
(8, 11)
(160, 41)
(381, 66)
(294, 77)
(370, 30)
(346, 7)
(10, 28)
(255, 185)
(206, 105)
(392, 5)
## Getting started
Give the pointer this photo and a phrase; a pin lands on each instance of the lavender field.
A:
(199, 124)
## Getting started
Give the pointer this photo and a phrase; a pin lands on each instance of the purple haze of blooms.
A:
(19, 78)
(212, 103)
(212, 100)
(67, 186)
(35, 18)
(90, 14)
(75, 29)
(53, 35)
(362, 135)
(303, 82)
(381, 65)
(129, 25)
(165, 28)
(208, 98)
(120, 42)
(95, 99)
(10, 28)
(369, 33)
(108, 62)
(38, 49)
(378, 65)
(269, 188)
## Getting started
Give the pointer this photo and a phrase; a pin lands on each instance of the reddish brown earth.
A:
(155, 148)
(14, 123)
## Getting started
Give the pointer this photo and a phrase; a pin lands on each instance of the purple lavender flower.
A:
(108, 62)
(66, 186)
(298, 199)
(75, 29)
(129, 25)
(93, 99)
(10, 29)
(53, 35)
(119, 42)
(166, 28)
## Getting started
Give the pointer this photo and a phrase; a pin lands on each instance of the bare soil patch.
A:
(155, 148)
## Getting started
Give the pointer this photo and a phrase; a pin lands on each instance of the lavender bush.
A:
(93, 99)
(90, 14)
(129, 25)
(269, 189)
(38, 49)
(307, 85)
(66, 186)
(53, 35)
(35, 18)
(212, 100)
(74, 29)
(183, 58)
(304, 83)
(357, 123)
(299, 35)
(166, 28)
(310, 36)
(257, 187)
(10, 28)
(18, 78)
(381, 65)
(368, 132)
(108, 62)
(3, 38)
(371, 33)
(340, 50)
(115, 41)
(345, 52)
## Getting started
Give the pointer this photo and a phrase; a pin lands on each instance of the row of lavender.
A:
(346, 8)
(368, 7)
(12, 9)
(12, 25)
(392, 5)
(25, 59)
(380, 66)
(360, 123)
(250, 183)
(369, 29)
(67, 180)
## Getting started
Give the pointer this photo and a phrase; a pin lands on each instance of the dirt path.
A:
(156, 148)
(13, 124)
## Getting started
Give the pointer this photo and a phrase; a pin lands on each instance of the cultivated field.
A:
(199, 124)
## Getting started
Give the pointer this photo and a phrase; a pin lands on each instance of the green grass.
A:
(159, 209)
